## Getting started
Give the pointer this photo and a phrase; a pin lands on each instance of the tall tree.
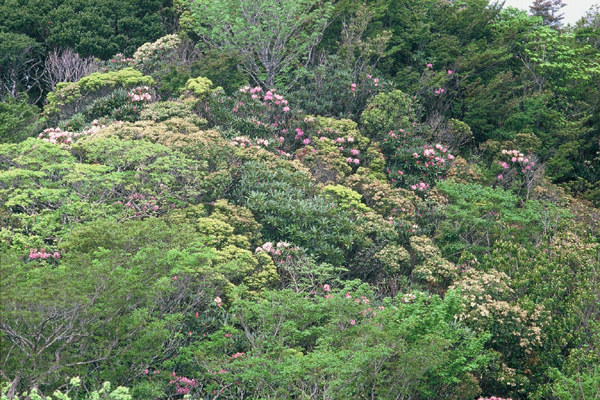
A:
(269, 36)
(549, 10)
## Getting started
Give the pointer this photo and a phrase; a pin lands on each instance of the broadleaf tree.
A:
(268, 36)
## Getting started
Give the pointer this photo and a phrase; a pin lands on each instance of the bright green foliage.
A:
(120, 393)
(477, 216)
(346, 198)
(199, 87)
(353, 349)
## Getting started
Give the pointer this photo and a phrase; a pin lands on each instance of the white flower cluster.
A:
(243, 141)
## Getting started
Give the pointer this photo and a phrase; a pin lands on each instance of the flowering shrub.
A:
(519, 172)
(252, 111)
(182, 384)
(58, 136)
(42, 254)
(118, 62)
(411, 163)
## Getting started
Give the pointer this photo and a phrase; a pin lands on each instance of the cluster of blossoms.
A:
(270, 96)
(243, 141)
(351, 159)
(408, 297)
(34, 253)
(299, 135)
(139, 208)
(182, 384)
(119, 57)
(118, 62)
(140, 95)
(58, 136)
(429, 153)
(270, 248)
(237, 355)
(494, 398)
(375, 80)
(516, 157)
(422, 186)
(439, 91)
(219, 303)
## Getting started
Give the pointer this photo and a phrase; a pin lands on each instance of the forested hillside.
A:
(308, 199)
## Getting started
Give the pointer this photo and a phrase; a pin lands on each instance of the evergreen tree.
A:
(549, 10)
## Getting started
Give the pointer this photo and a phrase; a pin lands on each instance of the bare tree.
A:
(67, 66)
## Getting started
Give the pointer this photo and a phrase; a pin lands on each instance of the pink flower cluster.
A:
(422, 186)
(34, 253)
(58, 136)
(430, 154)
(132, 203)
(351, 160)
(183, 385)
(277, 249)
(269, 96)
(516, 157)
(140, 95)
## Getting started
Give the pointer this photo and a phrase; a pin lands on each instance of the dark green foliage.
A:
(99, 29)
(18, 121)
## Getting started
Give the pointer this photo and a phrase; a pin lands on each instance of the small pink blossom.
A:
(352, 322)
(326, 288)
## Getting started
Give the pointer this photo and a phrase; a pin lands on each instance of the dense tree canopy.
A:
(229, 199)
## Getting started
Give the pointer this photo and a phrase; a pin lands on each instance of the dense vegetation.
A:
(296, 200)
